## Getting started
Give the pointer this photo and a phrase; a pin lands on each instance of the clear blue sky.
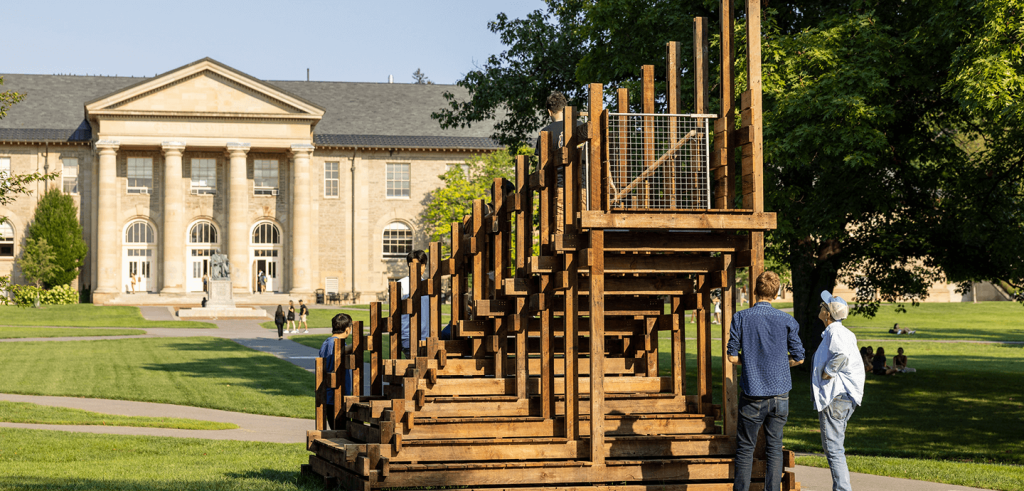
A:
(341, 40)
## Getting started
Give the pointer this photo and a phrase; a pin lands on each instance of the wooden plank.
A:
(698, 220)
(319, 390)
(597, 165)
(666, 241)
(756, 256)
(662, 264)
(647, 80)
(704, 344)
(464, 428)
(377, 328)
(527, 472)
(701, 65)
(506, 386)
(623, 108)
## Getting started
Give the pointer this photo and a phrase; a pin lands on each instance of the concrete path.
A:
(158, 313)
(251, 427)
(820, 479)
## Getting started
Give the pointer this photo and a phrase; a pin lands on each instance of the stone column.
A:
(173, 234)
(301, 222)
(238, 218)
(107, 283)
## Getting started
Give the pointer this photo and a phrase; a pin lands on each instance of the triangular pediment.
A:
(204, 88)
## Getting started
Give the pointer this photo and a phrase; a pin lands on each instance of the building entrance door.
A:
(198, 269)
(266, 260)
(140, 263)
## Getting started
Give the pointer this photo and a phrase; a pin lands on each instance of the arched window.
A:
(397, 240)
(139, 233)
(6, 240)
(203, 233)
(266, 233)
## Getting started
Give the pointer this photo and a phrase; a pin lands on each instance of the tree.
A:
(37, 261)
(891, 130)
(420, 78)
(56, 221)
(473, 180)
(14, 185)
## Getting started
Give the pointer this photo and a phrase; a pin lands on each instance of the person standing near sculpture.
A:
(341, 328)
(837, 385)
(766, 341)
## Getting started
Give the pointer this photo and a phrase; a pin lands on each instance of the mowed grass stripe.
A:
(26, 412)
(87, 315)
(202, 372)
(53, 460)
(7, 332)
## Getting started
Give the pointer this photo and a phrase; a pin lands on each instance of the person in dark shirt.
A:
(555, 104)
(279, 320)
(766, 342)
(341, 327)
(405, 290)
(878, 365)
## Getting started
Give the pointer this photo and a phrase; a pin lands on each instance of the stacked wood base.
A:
(507, 448)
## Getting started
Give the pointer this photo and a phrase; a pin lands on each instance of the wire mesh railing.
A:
(658, 162)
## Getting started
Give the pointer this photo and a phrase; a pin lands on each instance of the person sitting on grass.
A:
(878, 366)
(341, 327)
(865, 355)
(899, 362)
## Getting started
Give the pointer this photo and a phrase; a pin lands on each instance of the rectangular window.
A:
(398, 180)
(140, 175)
(70, 174)
(331, 179)
(204, 176)
(265, 178)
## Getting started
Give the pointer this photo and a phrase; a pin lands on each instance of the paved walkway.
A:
(820, 479)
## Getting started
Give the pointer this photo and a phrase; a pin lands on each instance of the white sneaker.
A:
(306, 331)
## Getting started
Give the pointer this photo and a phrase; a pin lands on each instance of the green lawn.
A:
(988, 321)
(7, 332)
(86, 315)
(987, 476)
(25, 412)
(203, 372)
(52, 460)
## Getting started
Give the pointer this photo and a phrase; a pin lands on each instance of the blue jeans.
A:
(772, 413)
(833, 421)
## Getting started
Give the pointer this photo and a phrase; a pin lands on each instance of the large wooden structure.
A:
(552, 376)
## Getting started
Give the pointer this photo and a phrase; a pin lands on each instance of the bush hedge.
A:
(59, 295)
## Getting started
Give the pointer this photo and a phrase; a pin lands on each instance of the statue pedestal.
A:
(220, 304)
(220, 294)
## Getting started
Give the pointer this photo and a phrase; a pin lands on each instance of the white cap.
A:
(837, 307)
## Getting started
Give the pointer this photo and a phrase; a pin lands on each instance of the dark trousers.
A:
(772, 412)
(280, 329)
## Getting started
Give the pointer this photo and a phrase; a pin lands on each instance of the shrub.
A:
(25, 295)
(56, 220)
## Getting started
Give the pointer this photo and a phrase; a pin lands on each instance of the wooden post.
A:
(704, 344)
(597, 166)
(673, 62)
(701, 82)
(524, 249)
(319, 391)
(726, 195)
(340, 365)
(394, 320)
(730, 402)
(597, 450)
(678, 319)
(415, 277)
(457, 277)
(357, 367)
(622, 176)
(648, 108)
(547, 286)
(434, 289)
(571, 319)
(377, 355)
(756, 124)
(499, 258)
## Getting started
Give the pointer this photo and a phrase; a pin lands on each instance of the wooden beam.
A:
(754, 82)
(727, 117)
(597, 280)
(696, 220)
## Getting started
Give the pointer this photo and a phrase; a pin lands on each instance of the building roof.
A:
(358, 114)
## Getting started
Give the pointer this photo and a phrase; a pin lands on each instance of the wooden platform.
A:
(566, 368)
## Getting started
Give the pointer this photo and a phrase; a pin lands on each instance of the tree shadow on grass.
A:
(267, 374)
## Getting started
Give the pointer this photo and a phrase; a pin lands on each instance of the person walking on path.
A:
(766, 342)
(303, 313)
(261, 282)
(279, 320)
(837, 385)
(292, 329)
(341, 326)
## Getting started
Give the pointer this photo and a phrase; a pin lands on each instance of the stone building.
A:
(317, 184)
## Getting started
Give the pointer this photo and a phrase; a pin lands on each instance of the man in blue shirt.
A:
(766, 342)
(341, 326)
